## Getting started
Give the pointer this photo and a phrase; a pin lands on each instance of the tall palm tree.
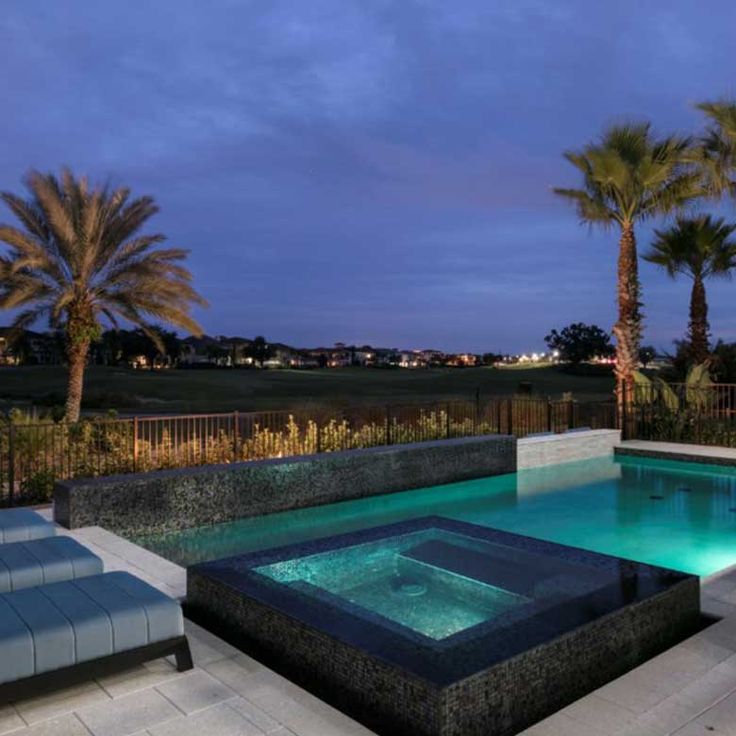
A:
(78, 255)
(630, 176)
(716, 153)
(699, 248)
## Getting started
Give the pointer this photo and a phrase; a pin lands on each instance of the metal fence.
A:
(34, 455)
(677, 412)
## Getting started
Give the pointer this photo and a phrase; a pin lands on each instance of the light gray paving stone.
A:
(235, 672)
(661, 720)
(57, 703)
(128, 714)
(195, 691)
(709, 688)
(714, 607)
(257, 716)
(299, 710)
(68, 725)
(719, 720)
(561, 725)
(713, 649)
(722, 633)
(140, 678)
(635, 691)
(220, 720)
(10, 720)
(206, 638)
(599, 713)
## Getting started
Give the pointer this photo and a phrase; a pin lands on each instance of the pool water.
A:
(406, 579)
(672, 514)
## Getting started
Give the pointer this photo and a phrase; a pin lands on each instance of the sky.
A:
(368, 171)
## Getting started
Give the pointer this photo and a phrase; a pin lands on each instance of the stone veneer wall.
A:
(189, 497)
(502, 700)
(535, 452)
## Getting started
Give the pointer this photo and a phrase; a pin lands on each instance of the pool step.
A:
(469, 563)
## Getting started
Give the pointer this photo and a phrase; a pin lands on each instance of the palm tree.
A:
(700, 249)
(78, 256)
(630, 176)
(716, 154)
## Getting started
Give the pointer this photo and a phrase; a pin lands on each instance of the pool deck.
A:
(678, 451)
(689, 690)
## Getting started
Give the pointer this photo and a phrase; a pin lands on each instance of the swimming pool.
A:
(438, 627)
(666, 513)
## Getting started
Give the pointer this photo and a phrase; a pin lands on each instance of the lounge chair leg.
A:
(183, 656)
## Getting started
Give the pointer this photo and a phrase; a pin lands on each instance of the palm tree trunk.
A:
(77, 361)
(699, 327)
(627, 329)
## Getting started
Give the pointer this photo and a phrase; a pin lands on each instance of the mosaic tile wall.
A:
(499, 701)
(187, 497)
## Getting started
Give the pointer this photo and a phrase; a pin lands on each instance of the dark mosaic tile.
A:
(188, 497)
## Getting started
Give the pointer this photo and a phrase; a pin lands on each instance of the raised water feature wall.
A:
(552, 449)
(188, 497)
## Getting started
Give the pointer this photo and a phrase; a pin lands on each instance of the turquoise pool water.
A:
(404, 580)
(677, 515)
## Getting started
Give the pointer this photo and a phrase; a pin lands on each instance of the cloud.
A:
(364, 171)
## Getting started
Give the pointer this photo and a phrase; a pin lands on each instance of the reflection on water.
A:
(602, 504)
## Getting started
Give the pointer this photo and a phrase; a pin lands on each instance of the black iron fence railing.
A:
(678, 412)
(34, 455)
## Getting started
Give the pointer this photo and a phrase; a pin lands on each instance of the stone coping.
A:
(685, 452)
(568, 436)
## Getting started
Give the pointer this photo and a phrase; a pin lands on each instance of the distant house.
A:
(238, 350)
(29, 348)
(7, 356)
(203, 351)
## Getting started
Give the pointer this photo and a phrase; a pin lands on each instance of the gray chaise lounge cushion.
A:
(40, 561)
(20, 525)
(63, 624)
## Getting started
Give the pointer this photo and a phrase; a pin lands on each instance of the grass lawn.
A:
(180, 391)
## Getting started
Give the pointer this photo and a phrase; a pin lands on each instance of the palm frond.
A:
(79, 253)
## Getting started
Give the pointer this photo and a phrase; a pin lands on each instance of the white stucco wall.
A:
(535, 452)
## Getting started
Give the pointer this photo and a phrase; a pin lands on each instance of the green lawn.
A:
(250, 390)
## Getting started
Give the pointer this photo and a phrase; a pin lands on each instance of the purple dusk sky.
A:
(370, 171)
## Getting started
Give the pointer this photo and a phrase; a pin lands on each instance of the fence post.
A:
(621, 413)
(135, 443)
(388, 424)
(476, 426)
(447, 420)
(510, 409)
(571, 414)
(549, 415)
(11, 463)
(236, 435)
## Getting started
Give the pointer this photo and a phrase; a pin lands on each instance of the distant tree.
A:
(647, 354)
(630, 176)
(699, 248)
(216, 353)
(579, 342)
(78, 256)
(167, 345)
(260, 350)
(724, 362)
(490, 358)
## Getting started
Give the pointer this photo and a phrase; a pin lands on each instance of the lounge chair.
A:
(47, 560)
(21, 525)
(61, 633)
